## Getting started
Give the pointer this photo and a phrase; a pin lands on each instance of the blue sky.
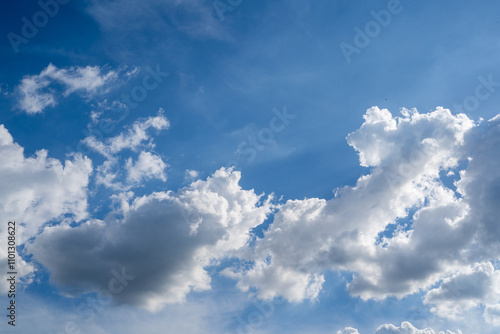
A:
(121, 120)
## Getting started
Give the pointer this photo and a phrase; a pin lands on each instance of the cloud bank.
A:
(422, 219)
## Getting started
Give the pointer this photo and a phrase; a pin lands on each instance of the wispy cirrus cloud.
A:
(194, 18)
(37, 92)
(135, 137)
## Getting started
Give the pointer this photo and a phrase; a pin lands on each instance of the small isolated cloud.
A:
(148, 166)
(36, 190)
(348, 330)
(36, 93)
(408, 328)
(32, 100)
(164, 239)
(191, 175)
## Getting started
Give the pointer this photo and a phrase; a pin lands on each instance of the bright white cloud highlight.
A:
(35, 94)
(148, 166)
(406, 328)
(36, 190)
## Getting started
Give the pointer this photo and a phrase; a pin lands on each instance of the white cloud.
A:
(311, 236)
(32, 100)
(348, 330)
(476, 285)
(201, 316)
(468, 288)
(408, 328)
(36, 190)
(399, 229)
(165, 240)
(87, 79)
(35, 94)
(492, 314)
(274, 281)
(191, 175)
(148, 166)
(137, 136)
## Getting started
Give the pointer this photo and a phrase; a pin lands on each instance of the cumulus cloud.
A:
(351, 231)
(476, 284)
(35, 93)
(36, 190)
(423, 218)
(492, 314)
(406, 226)
(465, 289)
(166, 240)
(406, 328)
